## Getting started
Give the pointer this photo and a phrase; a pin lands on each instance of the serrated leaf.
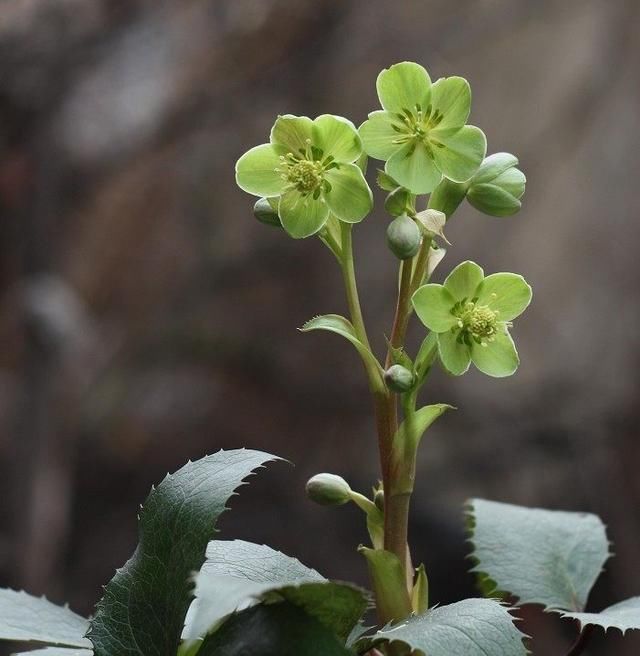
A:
(26, 618)
(143, 609)
(624, 616)
(336, 323)
(277, 629)
(473, 627)
(55, 651)
(546, 557)
(238, 574)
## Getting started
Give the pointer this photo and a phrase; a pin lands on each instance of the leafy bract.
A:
(335, 323)
(26, 618)
(237, 574)
(473, 627)
(275, 629)
(624, 616)
(144, 606)
(543, 557)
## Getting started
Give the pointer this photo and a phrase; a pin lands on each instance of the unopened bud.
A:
(328, 490)
(498, 185)
(398, 378)
(403, 237)
(266, 213)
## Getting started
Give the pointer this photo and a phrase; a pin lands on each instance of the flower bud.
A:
(498, 185)
(328, 490)
(398, 378)
(397, 201)
(403, 237)
(266, 213)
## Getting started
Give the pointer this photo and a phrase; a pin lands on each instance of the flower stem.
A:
(351, 288)
(403, 309)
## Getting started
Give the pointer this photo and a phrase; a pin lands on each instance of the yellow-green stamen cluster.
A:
(475, 322)
(305, 170)
(414, 126)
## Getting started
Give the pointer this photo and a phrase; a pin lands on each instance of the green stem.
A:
(351, 287)
(403, 309)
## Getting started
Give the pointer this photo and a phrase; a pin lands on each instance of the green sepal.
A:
(389, 584)
(420, 593)
(385, 181)
(447, 196)
(427, 355)
(336, 323)
(398, 201)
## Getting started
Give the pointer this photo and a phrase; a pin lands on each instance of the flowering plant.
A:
(185, 591)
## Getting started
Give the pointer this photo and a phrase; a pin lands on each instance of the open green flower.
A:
(472, 315)
(308, 165)
(421, 132)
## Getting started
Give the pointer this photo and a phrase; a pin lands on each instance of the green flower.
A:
(308, 166)
(472, 315)
(421, 132)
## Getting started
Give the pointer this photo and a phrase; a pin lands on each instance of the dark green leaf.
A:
(142, 612)
(273, 630)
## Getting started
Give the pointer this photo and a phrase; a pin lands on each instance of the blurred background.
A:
(146, 318)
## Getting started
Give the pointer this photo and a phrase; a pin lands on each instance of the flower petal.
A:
(455, 357)
(463, 281)
(433, 304)
(338, 137)
(492, 200)
(507, 293)
(414, 169)
(513, 181)
(292, 132)
(350, 198)
(498, 358)
(256, 171)
(378, 136)
(302, 216)
(458, 152)
(403, 86)
(452, 97)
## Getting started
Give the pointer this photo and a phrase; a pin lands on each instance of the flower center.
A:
(305, 175)
(304, 170)
(476, 322)
(413, 126)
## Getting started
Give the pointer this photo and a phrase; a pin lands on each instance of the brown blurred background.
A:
(146, 318)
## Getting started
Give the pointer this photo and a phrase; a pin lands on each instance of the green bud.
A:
(498, 185)
(328, 490)
(403, 237)
(397, 201)
(398, 379)
(264, 211)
